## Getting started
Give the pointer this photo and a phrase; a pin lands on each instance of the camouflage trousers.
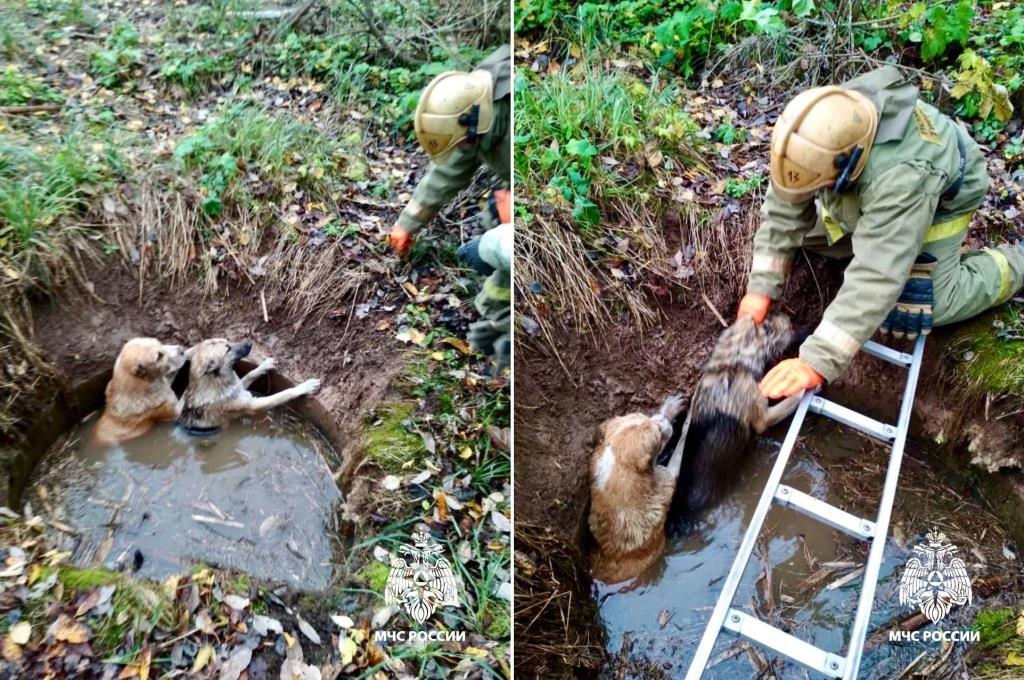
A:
(965, 283)
(492, 334)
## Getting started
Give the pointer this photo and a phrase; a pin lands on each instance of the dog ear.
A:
(210, 366)
(141, 370)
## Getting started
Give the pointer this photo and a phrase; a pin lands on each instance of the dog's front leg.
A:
(274, 400)
(265, 367)
(676, 461)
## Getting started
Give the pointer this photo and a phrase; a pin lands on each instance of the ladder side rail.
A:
(739, 565)
(858, 632)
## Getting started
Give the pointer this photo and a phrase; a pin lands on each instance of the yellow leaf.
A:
(437, 356)
(10, 650)
(459, 344)
(348, 648)
(145, 659)
(466, 453)
(476, 651)
(1020, 624)
(1014, 659)
(20, 632)
(67, 630)
(202, 658)
(289, 640)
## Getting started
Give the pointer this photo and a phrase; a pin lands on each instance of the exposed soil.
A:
(82, 337)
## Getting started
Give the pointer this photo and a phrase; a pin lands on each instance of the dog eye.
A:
(159, 355)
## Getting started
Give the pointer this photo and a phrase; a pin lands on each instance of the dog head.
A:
(216, 357)
(148, 359)
(635, 440)
(770, 340)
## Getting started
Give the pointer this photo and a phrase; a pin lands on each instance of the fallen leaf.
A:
(145, 660)
(264, 624)
(1020, 624)
(459, 344)
(203, 657)
(501, 522)
(342, 621)
(236, 663)
(10, 650)
(348, 649)
(66, 630)
(236, 602)
(20, 632)
(308, 630)
(663, 616)
(1014, 659)
(382, 616)
(391, 483)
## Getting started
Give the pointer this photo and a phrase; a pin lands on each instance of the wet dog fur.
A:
(630, 493)
(727, 408)
(139, 393)
(216, 395)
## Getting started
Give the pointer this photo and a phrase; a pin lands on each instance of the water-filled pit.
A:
(257, 496)
(656, 621)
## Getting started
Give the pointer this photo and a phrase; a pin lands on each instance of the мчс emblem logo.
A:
(424, 582)
(937, 580)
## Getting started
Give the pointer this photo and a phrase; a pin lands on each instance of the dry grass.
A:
(556, 630)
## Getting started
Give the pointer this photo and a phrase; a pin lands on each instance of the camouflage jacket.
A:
(894, 208)
(442, 182)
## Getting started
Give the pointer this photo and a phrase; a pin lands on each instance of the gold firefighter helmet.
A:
(456, 106)
(822, 139)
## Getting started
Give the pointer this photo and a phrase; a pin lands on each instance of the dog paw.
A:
(673, 406)
(268, 364)
(310, 386)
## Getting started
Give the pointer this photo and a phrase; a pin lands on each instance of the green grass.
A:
(245, 139)
(41, 193)
(581, 135)
(19, 88)
(998, 362)
(120, 58)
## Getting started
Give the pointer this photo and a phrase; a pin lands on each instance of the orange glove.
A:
(503, 199)
(400, 240)
(789, 377)
(755, 305)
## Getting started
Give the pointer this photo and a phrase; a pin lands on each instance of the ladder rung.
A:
(889, 354)
(785, 644)
(850, 418)
(825, 513)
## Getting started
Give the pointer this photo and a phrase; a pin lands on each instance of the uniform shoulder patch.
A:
(925, 126)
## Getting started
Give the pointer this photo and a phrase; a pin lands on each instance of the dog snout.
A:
(241, 349)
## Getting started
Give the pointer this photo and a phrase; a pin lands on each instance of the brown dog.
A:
(216, 395)
(630, 493)
(139, 394)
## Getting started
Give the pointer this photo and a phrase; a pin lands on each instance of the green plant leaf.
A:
(581, 147)
(803, 8)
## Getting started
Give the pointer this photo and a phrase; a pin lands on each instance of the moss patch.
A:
(376, 575)
(997, 364)
(388, 443)
(995, 625)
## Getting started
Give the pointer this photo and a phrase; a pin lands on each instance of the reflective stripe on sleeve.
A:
(1005, 275)
(769, 263)
(838, 338)
(948, 229)
(496, 291)
(419, 212)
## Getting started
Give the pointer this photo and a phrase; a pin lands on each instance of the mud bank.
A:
(561, 398)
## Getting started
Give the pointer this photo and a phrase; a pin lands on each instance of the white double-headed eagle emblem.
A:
(936, 581)
(424, 582)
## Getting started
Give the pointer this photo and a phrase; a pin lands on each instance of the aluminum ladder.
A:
(750, 627)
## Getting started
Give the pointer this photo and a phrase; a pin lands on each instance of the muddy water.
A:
(661, 616)
(257, 496)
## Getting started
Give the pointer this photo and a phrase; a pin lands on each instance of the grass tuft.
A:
(388, 443)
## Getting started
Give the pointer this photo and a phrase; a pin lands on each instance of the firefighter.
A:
(463, 121)
(868, 171)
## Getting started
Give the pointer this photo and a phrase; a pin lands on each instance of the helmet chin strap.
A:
(469, 120)
(846, 164)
